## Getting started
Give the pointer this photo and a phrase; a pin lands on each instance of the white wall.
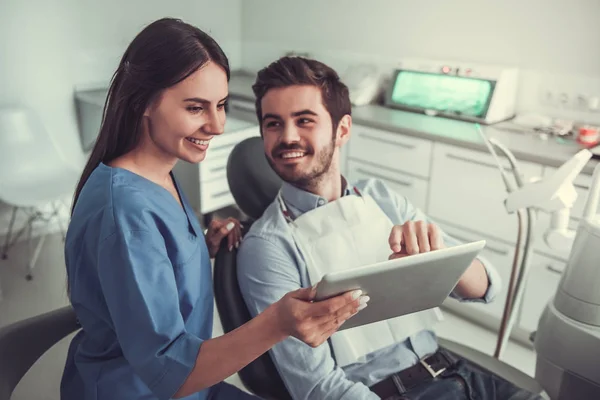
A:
(556, 43)
(47, 48)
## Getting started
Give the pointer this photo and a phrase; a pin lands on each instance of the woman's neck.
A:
(149, 161)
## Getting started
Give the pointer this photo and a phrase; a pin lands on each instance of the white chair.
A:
(34, 177)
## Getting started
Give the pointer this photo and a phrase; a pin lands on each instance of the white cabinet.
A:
(544, 277)
(414, 189)
(500, 255)
(466, 189)
(392, 150)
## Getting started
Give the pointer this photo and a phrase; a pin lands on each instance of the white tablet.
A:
(404, 285)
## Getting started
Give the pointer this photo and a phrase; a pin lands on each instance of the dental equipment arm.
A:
(556, 195)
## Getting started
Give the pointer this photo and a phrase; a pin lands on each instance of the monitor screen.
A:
(452, 94)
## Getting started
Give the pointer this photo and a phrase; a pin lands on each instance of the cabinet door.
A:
(466, 189)
(541, 287)
(500, 255)
(414, 189)
(388, 149)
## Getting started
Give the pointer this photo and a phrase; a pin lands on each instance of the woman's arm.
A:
(294, 315)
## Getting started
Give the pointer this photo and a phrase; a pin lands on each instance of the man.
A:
(320, 223)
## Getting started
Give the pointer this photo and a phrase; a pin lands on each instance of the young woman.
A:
(138, 263)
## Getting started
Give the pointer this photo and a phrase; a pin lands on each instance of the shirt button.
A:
(321, 202)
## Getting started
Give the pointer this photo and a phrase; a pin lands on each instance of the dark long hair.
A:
(164, 53)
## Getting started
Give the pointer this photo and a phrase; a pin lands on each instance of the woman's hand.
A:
(314, 322)
(218, 230)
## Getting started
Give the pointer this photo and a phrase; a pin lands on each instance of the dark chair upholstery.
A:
(24, 342)
(254, 186)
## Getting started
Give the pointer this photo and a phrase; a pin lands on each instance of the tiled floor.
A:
(46, 292)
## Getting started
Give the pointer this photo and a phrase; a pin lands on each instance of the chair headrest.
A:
(252, 181)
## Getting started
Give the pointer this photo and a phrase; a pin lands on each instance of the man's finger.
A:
(395, 239)
(435, 237)
(422, 236)
(409, 238)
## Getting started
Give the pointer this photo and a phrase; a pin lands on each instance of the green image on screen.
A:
(455, 94)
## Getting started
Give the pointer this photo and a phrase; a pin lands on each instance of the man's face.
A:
(299, 139)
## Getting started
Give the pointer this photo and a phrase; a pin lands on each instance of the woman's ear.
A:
(344, 128)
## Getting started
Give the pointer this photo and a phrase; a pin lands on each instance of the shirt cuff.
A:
(181, 359)
(494, 284)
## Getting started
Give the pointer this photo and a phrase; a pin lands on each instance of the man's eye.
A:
(272, 124)
(222, 106)
(304, 121)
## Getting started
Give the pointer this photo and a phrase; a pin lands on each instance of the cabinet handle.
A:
(387, 141)
(554, 270)
(220, 194)
(468, 160)
(385, 178)
(487, 247)
(247, 108)
(217, 169)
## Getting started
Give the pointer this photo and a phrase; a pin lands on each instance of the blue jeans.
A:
(464, 382)
(225, 391)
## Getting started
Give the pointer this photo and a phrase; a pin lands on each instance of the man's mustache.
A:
(290, 147)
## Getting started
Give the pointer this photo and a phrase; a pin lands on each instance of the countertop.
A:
(526, 146)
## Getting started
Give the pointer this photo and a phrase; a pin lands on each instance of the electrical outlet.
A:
(563, 99)
(593, 103)
(548, 98)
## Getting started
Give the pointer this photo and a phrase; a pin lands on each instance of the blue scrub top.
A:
(141, 284)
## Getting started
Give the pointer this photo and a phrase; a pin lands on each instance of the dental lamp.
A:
(567, 341)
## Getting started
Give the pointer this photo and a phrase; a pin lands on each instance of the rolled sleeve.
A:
(138, 282)
(266, 272)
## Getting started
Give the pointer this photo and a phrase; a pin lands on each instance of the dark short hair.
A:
(292, 71)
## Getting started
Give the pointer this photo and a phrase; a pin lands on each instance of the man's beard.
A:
(304, 179)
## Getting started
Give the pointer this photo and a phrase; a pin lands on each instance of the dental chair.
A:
(23, 343)
(254, 186)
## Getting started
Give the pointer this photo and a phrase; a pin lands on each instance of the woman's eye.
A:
(194, 110)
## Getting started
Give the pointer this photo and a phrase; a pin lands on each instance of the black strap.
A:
(403, 381)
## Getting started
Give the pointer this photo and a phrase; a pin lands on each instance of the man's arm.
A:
(266, 272)
(480, 282)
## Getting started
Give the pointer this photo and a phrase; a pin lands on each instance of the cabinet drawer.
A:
(215, 195)
(414, 189)
(543, 280)
(466, 189)
(404, 153)
(215, 164)
(500, 255)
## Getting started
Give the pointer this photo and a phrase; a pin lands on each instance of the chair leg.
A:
(34, 257)
(56, 214)
(8, 234)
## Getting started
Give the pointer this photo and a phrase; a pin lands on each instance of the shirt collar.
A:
(302, 201)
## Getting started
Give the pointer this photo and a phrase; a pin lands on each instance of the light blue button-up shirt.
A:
(270, 265)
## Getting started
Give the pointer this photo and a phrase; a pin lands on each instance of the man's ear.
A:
(344, 128)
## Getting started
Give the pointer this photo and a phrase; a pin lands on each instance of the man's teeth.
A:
(198, 141)
(295, 154)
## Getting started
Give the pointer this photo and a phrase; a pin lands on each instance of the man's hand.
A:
(414, 237)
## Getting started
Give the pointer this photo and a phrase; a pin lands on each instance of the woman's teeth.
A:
(295, 154)
(198, 141)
